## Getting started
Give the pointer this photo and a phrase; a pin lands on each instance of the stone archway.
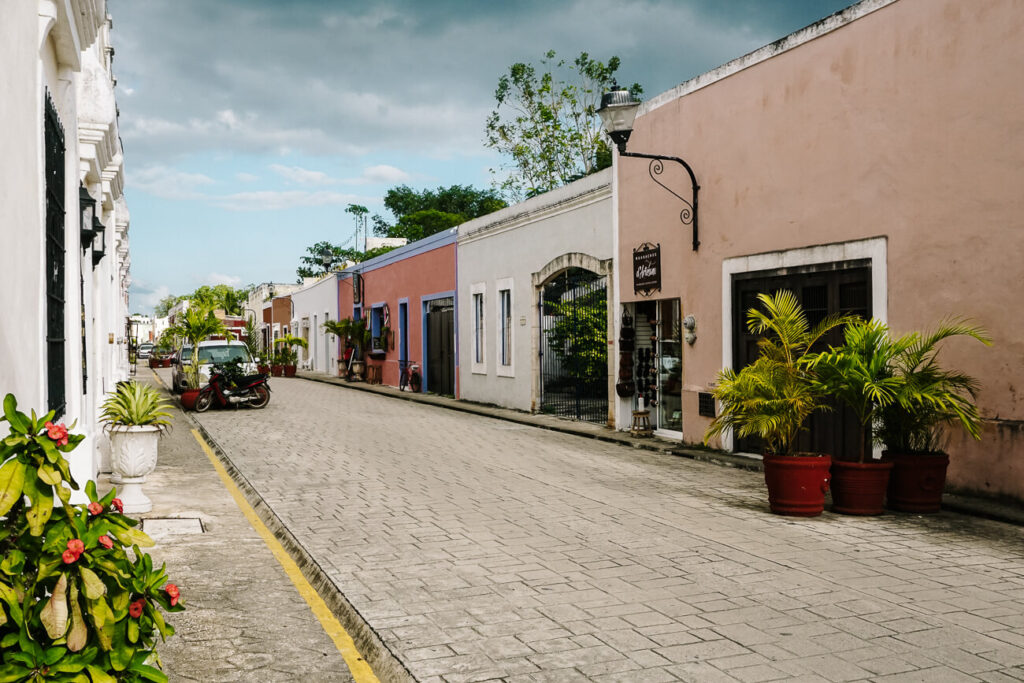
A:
(572, 371)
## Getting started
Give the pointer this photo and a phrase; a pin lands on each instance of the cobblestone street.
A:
(479, 549)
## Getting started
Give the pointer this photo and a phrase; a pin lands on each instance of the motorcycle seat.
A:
(249, 380)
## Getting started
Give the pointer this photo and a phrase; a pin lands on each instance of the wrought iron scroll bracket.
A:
(688, 215)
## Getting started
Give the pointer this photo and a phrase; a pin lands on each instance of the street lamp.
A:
(617, 111)
(100, 231)
(87, 207)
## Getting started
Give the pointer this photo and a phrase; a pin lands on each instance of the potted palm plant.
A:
(911, 427)
(134, 416)
(772, 398)
(862, 374)
(198, 323)
(287, 356)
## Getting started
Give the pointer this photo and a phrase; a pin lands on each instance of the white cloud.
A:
(303, 176)
(384, 174)
(246, 177)
(220, 279)
(146, 299)
(168, 183)
(270, 200)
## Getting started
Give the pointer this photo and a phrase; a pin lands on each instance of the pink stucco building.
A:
(411, 291)
(872, 162)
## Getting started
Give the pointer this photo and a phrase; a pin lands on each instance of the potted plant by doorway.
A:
(912, 426)
(862, 374)
(772, 398)
(287, 357)
(135, 416)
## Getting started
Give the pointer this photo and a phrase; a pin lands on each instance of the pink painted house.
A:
(873, 163)
(411, 292)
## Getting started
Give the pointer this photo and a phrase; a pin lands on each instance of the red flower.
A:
(172, 593)
(95, 508)
(69, 556)
(58, 433)
(117, 505)
(76, 546)
(106, 541)
(135, 609)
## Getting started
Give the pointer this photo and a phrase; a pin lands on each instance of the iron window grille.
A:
(53, 140)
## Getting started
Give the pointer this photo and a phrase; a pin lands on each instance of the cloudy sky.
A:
(249, 125)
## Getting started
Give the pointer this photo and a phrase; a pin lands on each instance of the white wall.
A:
(312, 305)
(61, 48)
(503, 250)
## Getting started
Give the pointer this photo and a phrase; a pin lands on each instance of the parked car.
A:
(210, 352)
(145, 351)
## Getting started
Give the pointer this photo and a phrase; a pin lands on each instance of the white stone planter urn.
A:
(133, 453)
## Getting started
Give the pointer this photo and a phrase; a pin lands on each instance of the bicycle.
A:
(410, 376)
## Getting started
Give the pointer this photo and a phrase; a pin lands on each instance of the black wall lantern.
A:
(98, 252)
(87, 207)
(618, 110)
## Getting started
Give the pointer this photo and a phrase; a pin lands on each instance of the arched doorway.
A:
(573, 345)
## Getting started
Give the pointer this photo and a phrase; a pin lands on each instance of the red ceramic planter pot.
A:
(289, 370)
(917, 481)
(277, 370)
(859, 488)
(188, 399)
(797, 484)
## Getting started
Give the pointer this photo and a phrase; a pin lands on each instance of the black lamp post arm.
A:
(688, 216)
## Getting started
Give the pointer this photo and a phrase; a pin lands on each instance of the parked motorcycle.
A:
(250, 390)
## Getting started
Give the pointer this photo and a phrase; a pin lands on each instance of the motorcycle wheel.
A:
(204, 401)
(262, 396)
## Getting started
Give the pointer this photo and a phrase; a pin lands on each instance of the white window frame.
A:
(478, 328)
(505, 358)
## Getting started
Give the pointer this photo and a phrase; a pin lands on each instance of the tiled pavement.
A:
(478, 549)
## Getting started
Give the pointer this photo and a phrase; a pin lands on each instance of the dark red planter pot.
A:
(276, 370)
(264, 369)
(289, 370)
(188, 399)
(797, 484)
(859, 488)
(917, 481)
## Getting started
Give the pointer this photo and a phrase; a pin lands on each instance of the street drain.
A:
(159, 527)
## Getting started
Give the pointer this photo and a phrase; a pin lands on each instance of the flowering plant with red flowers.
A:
(79, 599)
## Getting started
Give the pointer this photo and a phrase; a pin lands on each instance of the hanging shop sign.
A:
(357, 288)
(647, 269)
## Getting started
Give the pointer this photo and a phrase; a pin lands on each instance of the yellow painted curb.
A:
(361, 671)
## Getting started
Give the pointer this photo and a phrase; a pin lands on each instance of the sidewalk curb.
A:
(962, 504)
(384, 663)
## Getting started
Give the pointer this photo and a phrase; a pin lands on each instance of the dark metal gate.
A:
(440, 370)
(54, 142)
(574, 346)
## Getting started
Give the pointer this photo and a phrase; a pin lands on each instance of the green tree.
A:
(164, 306)
(546, 122)
(421, 213)
(579, 334)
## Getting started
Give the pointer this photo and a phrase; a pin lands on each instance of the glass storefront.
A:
(658, 362)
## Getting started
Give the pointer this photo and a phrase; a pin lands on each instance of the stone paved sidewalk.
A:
(486, 550)
(245, 620)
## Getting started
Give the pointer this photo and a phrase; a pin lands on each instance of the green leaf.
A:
(134, 537)
(54, 654)
(49, 475)
(90, 490)
(54, 615)
(92, 586)
(12, 482)
(133, 631)
(121, 654)
(13, 562)
(98, 675)
(9, 673)
(41, 498)
(151, 674)
(17, 420)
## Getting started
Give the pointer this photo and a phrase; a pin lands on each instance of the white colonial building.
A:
(64, 259)
(312, 306)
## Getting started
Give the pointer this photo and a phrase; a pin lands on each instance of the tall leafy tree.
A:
(546, 122)
(421, 213)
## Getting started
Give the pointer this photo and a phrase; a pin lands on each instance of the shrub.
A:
(79, 600)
